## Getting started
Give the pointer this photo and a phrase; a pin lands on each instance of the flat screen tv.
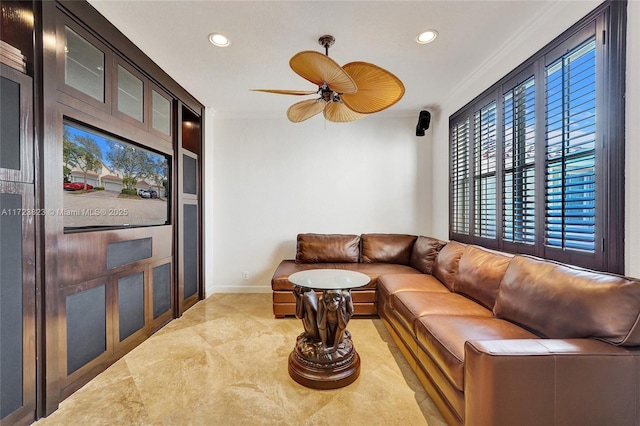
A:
(109, 182)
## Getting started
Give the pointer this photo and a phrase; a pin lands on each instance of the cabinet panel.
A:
(161, 289)
(190, 244)
(84, 65)
(16, 130)
(10, 125)
(17, 301)
(86, 326)
(189, 174)
(130, 304)
(130, 94)
(160, 113)
(11, 331)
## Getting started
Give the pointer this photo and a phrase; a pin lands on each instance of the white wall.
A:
(560, 17)
(267, 179)
(273, 179)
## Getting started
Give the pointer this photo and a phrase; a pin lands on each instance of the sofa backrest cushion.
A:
(424, 253)
(479, 274)
(560, 301)
(326, 248)
(387, 248)
(445, 267)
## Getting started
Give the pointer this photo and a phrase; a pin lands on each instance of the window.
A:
(570, 193)
(518, 197)
(484, 178)
(459, 177)
(542, 149)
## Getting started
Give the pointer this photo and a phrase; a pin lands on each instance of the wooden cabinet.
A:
(189, 210)
(17, 249)
(91, 294)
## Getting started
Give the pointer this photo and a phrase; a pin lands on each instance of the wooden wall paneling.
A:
(53, 369)
(83, 255)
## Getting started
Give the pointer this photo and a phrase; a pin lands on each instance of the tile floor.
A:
(224, 362)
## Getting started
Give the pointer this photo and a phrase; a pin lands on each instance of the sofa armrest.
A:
(550, 382)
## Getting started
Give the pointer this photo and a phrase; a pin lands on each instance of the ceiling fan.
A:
(347, 93)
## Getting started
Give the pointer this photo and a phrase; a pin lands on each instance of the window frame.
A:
(607, 23)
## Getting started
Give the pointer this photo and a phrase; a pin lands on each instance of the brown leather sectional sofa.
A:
(495, 339)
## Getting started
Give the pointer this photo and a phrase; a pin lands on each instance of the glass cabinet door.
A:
(84, 65)
(161, 113)
(130, 94)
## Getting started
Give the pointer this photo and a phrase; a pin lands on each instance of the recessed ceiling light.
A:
(219, 40)
(426, 36)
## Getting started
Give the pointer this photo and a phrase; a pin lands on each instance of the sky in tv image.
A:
(109, 182)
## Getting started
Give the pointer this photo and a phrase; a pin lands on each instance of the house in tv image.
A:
(111, 183)
(79, 177)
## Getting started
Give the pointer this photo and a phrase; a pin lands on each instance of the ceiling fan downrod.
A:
(326, 41)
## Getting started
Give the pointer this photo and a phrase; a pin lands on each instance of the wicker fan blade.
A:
(319, 69)
(287, 92)
(378, 89)
(340, 113)
(301, 111)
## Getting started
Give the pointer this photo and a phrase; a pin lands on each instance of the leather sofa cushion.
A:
(445, 267)
(280, 279)
(479, 274)
(560, 301)
(444, 337)
(387, 248)
(374, 270)
(424, 253)
(411, 305)
(314, 248)
(391, 284)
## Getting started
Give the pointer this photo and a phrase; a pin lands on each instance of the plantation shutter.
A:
(519, 163)
(570, 192)
(460, 177)
(484, 177)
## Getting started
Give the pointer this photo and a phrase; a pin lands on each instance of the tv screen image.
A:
(108, 182)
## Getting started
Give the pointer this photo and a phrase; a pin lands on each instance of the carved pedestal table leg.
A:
(324, 356)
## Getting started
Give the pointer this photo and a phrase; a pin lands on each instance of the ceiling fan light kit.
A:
(346, 93)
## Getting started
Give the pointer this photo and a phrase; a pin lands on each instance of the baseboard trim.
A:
(239, 289)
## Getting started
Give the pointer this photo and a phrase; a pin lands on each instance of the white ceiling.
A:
(265, 34)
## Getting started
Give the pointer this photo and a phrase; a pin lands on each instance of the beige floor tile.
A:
(224, 362)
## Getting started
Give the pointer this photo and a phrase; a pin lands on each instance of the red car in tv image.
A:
(75, 186)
